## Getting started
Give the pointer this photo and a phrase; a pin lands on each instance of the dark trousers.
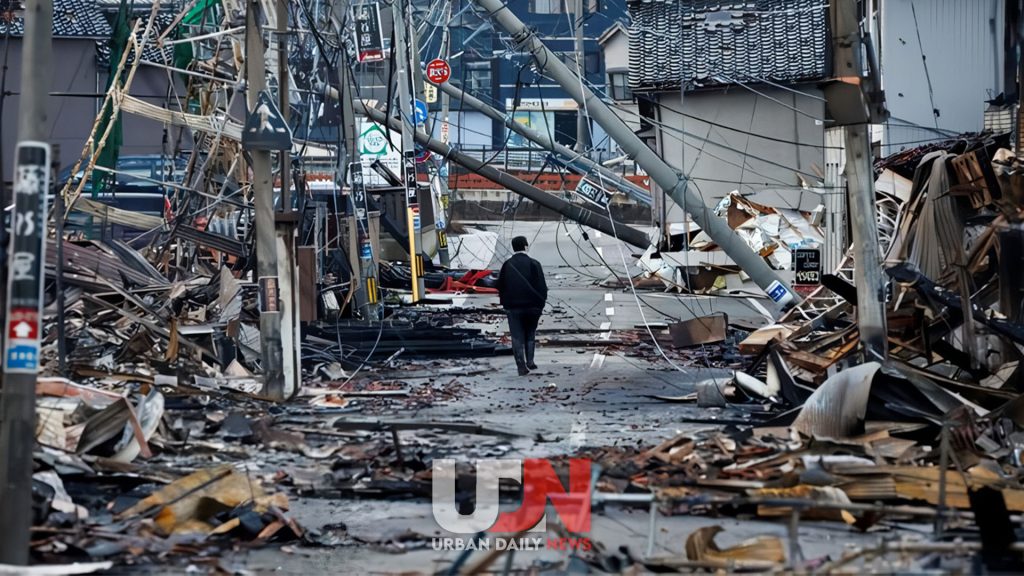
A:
(522, 326)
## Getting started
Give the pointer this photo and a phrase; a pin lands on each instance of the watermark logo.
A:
(540, 485)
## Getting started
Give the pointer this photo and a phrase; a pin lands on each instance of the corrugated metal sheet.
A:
(962, 42)
(710, 42)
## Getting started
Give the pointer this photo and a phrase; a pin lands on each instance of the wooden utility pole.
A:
(25, 286)
(270, 300)
(855, 100)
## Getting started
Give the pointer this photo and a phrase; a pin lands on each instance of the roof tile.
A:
(716, 42)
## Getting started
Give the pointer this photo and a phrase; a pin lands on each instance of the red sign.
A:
(438, 71)
(23, 324)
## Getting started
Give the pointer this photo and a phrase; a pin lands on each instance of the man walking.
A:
(523, 292)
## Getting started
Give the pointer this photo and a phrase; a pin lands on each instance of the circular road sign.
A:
(438, 71)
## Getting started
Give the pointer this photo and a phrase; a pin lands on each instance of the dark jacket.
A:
(521, 283)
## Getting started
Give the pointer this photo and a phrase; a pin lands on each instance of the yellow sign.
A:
(429, 92)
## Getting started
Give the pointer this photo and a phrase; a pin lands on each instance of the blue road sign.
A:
(22, 356)
(420, 114)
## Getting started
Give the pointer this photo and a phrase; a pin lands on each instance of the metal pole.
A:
(263, 203)
(402, 16)
(861, 195)
(575, 212)
(582, 163)
(25, 286)
(660, 171)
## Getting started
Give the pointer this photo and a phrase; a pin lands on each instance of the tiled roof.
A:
(727, 42)
(150, 51)
(71, 19)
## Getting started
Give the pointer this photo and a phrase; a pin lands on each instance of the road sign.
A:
(422, 154)
(369, 39)
(28, 253)
(808, 266)
(420, 113)
(22, 324)
(265, 128)
(592, 193)
(438, 71)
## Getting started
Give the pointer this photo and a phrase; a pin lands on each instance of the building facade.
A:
(81, 31)
(730, 95)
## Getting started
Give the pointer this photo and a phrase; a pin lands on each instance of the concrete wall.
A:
(718, 166)
(75, 72)
(962, 41)
(616, 53)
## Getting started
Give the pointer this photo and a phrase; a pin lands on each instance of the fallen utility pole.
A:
(574, 212)
(272, 352)
(660, 171)
(25, 286)
(575, 159)
(852, 104)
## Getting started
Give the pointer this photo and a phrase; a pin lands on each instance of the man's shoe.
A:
(523, 371)
(531, 366)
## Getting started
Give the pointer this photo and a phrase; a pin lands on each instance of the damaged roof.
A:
(71, 19)
(722, 43)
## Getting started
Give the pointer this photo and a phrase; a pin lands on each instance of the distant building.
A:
(731, 92)
(487, 64)
(941, 60)
(81, 31)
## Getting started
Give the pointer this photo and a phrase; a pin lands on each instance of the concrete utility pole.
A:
(441, 201)
(585, 164)
(406, 66)
(283, 101)
(660, 171)
(854, 101)
(575, 212)
(350, 169)
(25, 286)
(272, 353)
(582, 121)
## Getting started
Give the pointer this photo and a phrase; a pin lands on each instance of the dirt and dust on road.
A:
(662, 431)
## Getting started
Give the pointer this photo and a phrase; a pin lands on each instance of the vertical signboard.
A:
(808, 266)
(27, 255)
(359, 192)
(369, 39)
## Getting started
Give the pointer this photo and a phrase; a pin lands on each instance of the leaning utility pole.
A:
(350, 166)
(405, 71)
(660, 171)
(575, 212)
(272, 353)
(25, 286)
(442, 198)
(573, 159)
(854, 101)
